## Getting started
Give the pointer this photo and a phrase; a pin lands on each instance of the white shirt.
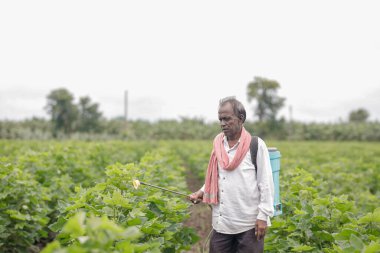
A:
(243, 196)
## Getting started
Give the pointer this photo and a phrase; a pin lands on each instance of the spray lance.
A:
(136, 183)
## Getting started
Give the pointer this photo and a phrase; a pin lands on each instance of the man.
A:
(241, 199)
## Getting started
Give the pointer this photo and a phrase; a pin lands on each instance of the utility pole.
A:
(291, 127)
(126, 109)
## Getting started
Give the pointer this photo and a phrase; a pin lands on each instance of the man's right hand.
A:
(196, 197)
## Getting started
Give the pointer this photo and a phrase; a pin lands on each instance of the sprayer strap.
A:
(253, 148)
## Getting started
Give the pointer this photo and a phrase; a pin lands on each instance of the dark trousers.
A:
(236, 243)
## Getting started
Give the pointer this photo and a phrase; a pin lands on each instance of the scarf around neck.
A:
(219, 155)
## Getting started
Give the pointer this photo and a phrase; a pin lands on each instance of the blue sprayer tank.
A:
(275, 156)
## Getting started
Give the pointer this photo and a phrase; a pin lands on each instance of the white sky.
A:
(178, 58)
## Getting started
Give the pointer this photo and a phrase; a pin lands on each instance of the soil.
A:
(200, 216)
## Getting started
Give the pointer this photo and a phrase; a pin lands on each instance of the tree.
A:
(62, 111)
(89, 116)
(359, 115)
(264, 91)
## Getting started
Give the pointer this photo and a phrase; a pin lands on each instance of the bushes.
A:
(315, 222)
(155, 216)
(190, 129)
(85, 187)
(24, 209)
(63, 188)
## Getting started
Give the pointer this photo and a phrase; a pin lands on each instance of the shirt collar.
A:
(225, 143)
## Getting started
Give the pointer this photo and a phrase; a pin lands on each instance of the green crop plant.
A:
(65, 191)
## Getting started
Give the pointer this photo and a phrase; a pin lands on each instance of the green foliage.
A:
(69, 178)
(264, 91)
(23, 209)
(158, 216)
(89, 116)
(62, 110)
(329, 191)
(82, 192)
(99, 234)
(34, 128)
(331, 205)
(340, 132)
(83, 121)
(184, 129)
(37, 179)
(194, 129)
(67, 117)
(359, 115)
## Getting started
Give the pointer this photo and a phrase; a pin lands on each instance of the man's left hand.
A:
(260, 229)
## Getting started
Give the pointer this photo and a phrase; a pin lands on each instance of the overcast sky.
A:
(178, 58)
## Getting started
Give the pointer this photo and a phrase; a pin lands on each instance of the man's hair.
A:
(237, 107)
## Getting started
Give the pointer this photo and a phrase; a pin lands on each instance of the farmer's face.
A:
(230, 124)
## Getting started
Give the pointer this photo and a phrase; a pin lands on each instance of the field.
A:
(77, 196)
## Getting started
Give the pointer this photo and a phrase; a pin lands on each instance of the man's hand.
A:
(260, 229)
(196, 197)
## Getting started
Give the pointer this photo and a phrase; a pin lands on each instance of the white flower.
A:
(136, 183)
(83, 239)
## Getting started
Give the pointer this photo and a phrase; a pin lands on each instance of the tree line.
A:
(84, 120)
(68, 117)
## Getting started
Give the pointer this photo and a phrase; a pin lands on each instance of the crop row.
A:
(330, 194)
(80, 195)
(68, 191)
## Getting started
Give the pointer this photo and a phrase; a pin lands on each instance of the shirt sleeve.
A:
(265, 182)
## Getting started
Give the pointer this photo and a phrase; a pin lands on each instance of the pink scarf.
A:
(218, 153)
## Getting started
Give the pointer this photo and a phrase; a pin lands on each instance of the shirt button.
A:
(224, 178)
(221, 202)
(222, 190)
